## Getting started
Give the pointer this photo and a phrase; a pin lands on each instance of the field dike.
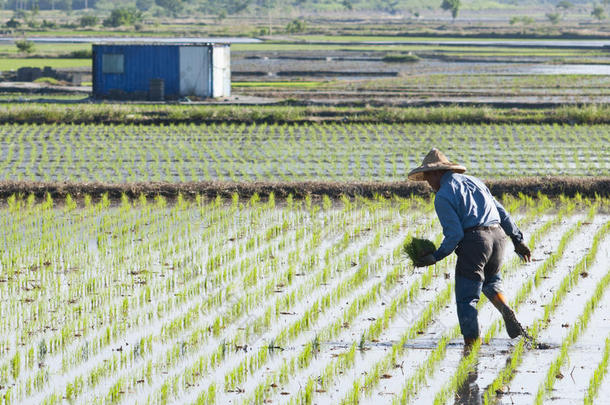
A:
(530, 186)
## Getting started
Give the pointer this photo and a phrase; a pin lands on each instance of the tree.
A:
(221, 15)
(266, 4)
(144, 5)
(13, 23)
(173, 7)
(598, 12)
(553, 17)
(563, 6)
(226, 6)
(392, 7)
(451, 5)
(235, 6)
(79, 4)
(296, 26)
(65, 5)
(88, 21)
(23, 45)
(123, 16)
(523, 20)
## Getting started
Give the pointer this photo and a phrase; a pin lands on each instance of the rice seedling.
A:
(438, 354)
(521, 294)
(506, 374)
(145, 298)
(579, 326)
(398, 348)
(416, 248)
(192, 152)
(598, 375)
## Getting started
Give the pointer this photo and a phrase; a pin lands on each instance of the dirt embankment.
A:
(550, 186)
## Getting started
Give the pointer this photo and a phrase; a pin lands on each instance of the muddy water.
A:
(493, 355)
(372, 68)
(568, 70)
(535, 363)
(296, 345)
(584, 358)
(416, 350)
(351, 333)
(513, 279)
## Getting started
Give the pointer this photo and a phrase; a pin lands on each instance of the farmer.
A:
(474, 225)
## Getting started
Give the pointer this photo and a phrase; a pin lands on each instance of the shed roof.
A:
(161, 44)
(136, 40)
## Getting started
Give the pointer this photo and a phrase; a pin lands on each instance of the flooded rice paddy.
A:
(310, 301)
(275, 152)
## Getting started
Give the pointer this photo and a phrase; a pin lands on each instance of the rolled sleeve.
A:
(507, 223)
(452, 227)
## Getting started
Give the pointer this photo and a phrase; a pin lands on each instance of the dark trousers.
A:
(480, 255)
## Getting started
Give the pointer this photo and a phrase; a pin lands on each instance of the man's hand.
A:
(427, 260)
(523, 252)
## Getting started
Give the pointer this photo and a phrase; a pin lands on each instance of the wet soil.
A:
(363, 65)
(357, 66)
(550, 186)
(532, 371)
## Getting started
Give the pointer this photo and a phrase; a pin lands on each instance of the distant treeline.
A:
(229, 7)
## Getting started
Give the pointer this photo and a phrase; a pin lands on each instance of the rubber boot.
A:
(513, 327)
(469, 342)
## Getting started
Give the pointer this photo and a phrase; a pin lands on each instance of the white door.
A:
(221, 74)
(194, 71)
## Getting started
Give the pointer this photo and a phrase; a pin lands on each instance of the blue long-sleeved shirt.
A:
(463, 202)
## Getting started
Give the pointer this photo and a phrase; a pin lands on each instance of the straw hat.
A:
(434, 160)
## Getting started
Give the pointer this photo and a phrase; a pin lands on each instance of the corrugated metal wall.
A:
(141, 63)
(195, 72)
(126, 70)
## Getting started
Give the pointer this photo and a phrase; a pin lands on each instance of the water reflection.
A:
(570, 69)
(469, 393)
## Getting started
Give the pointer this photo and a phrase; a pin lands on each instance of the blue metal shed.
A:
(141, 71)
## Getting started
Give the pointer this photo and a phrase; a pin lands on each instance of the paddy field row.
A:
(214, 300)
(294, 152)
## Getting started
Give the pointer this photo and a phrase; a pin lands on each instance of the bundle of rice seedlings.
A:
(417, 248)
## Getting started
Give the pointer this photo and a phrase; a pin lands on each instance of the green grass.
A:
(65, 48)
(400, 58)
(396, 38)
(278, 84)
(165, 113)
(487, 51)
(431, 47)
(47, 80)
(272, 46)
(55, 63)
(45, 49)
(126, 31)
(498, 82)
(19, 97)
